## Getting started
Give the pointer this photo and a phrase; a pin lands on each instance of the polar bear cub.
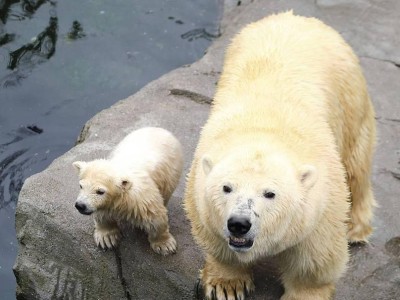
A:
(287, 146)
(134, 184)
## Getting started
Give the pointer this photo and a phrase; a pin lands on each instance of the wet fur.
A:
(139, 178)
(291, 89)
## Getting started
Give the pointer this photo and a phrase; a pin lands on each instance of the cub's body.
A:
(134, 184)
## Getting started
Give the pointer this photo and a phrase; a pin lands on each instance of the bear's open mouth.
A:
(240, 242)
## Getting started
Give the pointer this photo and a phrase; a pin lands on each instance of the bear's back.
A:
(154, 151)
(291, 71)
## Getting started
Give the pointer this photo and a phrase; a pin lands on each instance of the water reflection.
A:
(14, 162)
(28, 7)
(199, 33)
(42, 48)
(5, 10)
(76, 31)
(24, 59)
(11, 169)
(6, 38)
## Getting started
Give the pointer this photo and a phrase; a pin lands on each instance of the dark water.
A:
(63, 61)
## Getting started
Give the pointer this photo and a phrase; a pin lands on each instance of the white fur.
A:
(291, 116)
(134, 184)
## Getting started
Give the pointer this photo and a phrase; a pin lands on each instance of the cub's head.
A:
(257, 201)
(100, 187)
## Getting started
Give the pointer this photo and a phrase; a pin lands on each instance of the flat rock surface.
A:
(57, 256)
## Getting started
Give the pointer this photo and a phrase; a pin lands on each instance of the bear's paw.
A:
(107, 238)
(358, 233)
(164, 246)
(227, 289)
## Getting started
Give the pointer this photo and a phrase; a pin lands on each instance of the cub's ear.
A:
(79, 165)
(308, 176)
(207, 164)
(125, 184)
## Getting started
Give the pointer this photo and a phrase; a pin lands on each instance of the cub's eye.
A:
(227, 189)
(269, 195)
(100, 192)
(80, 186)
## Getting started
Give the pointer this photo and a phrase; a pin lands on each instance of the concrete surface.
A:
(57, 256)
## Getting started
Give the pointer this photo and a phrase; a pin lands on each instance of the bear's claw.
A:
(107, 239)
(198, 291)
(165, 247)
(229, 290)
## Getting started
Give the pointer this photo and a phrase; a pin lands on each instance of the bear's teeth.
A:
(238, 240)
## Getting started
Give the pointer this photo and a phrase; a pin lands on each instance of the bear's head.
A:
(100, 186)
(257, 201)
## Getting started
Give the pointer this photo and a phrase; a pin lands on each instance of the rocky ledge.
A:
(57, 257)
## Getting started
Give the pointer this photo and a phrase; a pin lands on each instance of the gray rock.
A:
(57, 257)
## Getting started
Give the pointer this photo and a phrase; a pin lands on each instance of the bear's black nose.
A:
(80, 206)
(239, 225)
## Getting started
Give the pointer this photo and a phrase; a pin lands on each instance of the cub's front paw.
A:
(107, 238)
(358, 233)
(164, 245)
(223, 289)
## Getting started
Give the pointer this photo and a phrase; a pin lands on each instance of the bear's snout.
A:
(82, 208)
(238, 225)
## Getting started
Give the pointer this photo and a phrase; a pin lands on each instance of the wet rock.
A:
(393, 247)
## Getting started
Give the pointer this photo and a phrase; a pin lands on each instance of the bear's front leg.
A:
(225, 281)
(312, 268)
(106, 232)
(161, 240)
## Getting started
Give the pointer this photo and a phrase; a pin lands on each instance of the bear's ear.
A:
(125, 184)
(79, 165)
(207, 164)
(308, 176)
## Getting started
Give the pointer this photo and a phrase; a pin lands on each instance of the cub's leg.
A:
(311, 269)
(225, 282)
(161, 240)
(106, 232)
(358, 166)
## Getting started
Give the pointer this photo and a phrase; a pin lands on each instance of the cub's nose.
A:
(81, 207)
(239, 225)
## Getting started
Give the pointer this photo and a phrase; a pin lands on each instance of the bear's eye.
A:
(80, 186)
(100, 192)
(227, 189)
(269, 195)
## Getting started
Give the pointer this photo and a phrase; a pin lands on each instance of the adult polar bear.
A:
(289, 137)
